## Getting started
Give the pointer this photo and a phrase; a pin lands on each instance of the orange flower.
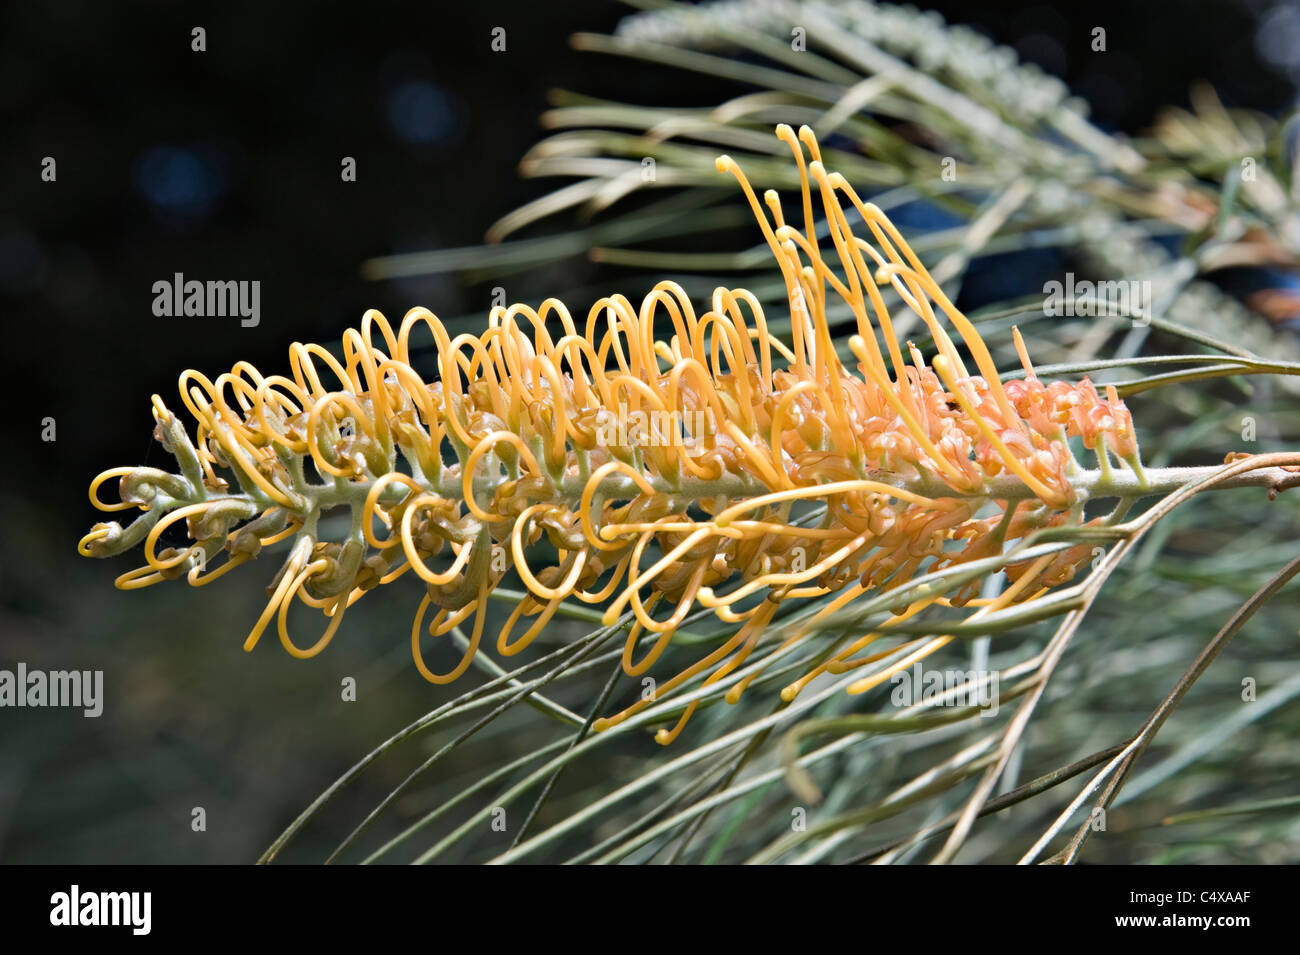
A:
(716, 468)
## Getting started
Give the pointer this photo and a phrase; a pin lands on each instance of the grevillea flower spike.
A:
(666, 474)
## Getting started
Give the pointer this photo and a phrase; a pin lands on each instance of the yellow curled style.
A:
(775, 486)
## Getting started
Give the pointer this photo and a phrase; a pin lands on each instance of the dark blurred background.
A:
(226, 164)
